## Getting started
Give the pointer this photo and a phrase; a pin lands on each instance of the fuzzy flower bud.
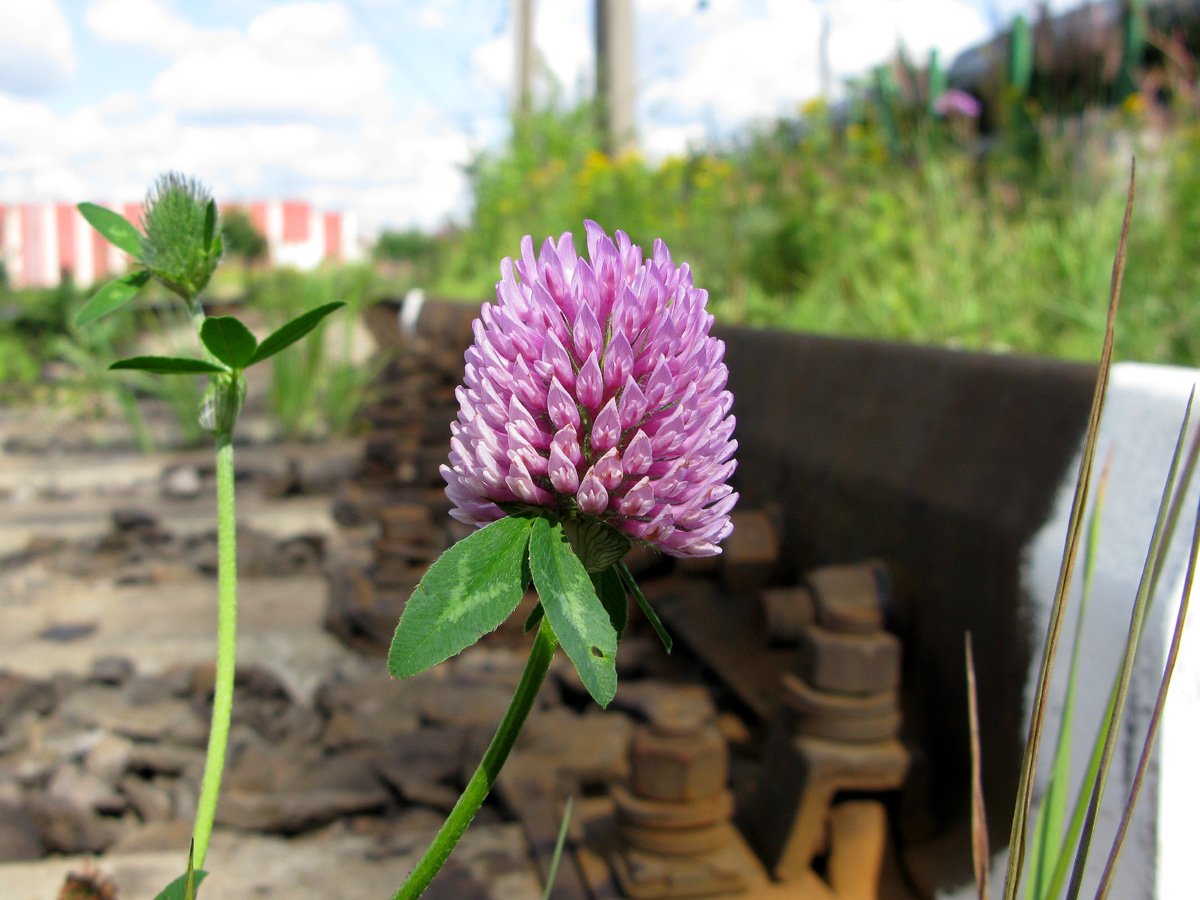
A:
(182, 243)
(594, 387)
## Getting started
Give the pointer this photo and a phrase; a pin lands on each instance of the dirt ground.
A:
(70, 597)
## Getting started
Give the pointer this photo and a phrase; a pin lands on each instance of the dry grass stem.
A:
(979, 836)
(1016, 844)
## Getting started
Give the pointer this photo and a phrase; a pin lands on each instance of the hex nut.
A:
(851, 599)
(678, 766)
(850, 663)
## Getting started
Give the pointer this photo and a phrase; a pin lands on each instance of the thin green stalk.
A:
(1048, 825)
(218, 735)
(1159, 542)
(1155, 718)
(559, 845)
(1016, 841)
(1070, 842)
(489, 768)
(1075, 826)
(196, 314)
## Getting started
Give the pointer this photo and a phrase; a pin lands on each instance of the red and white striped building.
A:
(39, 242)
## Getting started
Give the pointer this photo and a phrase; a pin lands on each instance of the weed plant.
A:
(180, 249)
(317, 387)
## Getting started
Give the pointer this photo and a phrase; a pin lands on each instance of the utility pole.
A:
(523, 12)
(614, 74)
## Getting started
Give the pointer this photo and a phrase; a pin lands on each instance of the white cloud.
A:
(142, 23)
(432, 15)
(738, 66)
(562, 38)
(743, 66)
(301, 100)
(297, 31)
(493, 63)
(867, 32)
(676, 9)
(294, 61)
(36, 49)
(291, 105)
(238, 79)
(660, 141)
(394, 171)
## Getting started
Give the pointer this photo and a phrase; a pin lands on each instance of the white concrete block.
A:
(1143, 412)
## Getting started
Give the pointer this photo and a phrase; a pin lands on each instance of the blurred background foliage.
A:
(891, 222)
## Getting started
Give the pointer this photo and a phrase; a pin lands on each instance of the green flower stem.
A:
(485, 776)
(196, 314)
(218, 735)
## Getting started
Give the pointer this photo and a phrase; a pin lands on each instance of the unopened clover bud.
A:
(182, 243)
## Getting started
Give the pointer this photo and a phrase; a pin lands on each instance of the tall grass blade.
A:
(1016, 844)
(1156, 716)
(1049, 845)
(560, 844)
(979, 836)
(1153, 566)
(1081, 801)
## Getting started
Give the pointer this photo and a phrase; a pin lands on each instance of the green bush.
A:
(242, 239)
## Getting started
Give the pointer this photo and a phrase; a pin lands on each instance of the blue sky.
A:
(374, 106)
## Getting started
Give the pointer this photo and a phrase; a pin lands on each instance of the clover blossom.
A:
(593, 388)
(956, 102)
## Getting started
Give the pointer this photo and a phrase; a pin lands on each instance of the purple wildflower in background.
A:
(596, 388)
(958, 102)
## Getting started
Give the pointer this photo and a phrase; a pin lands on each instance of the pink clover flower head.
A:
(957, 102)
(594, 388)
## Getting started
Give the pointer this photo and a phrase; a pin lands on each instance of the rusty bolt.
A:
(850, 663)
(851, 599)
(678, 766)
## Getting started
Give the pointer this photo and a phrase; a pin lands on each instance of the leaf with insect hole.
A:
(576, 614)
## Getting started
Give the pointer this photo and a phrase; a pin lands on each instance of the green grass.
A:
(315, 390)
(317, 386)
